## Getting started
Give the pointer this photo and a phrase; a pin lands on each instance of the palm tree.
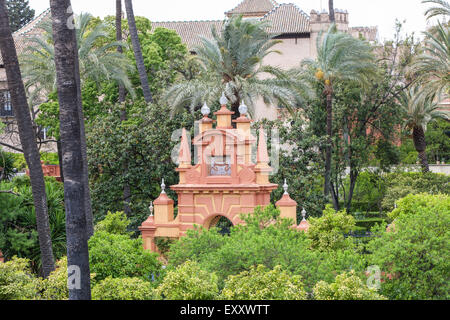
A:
(97, 62)
(331, 9)
(69, 96)
(420, 109)
(339, 57)
(231, 62)
(123, 115)
(120, 50)
(27, 139)
(432, 66)
(138, 52)
(442, 8)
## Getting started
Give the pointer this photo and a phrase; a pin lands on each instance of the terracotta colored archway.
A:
(223, 182)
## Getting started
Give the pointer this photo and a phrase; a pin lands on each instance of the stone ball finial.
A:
(163, 186)
(243, 109)
(205, 110)
(223, 99)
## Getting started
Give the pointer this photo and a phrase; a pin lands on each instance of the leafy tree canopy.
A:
(19, 13)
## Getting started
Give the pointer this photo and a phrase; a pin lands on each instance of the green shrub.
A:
(17, 282)
(367, 224)
(6, 166)
(119, 256)
(188, 282)
(347, 286)
(416, 253)
(411, 204)
(262, 241)
(368, 192)
(399, 185)
(18, 230)
(55, 286)
(259, 283)
(122, 289)
(50, 158)
(327, 232)
(115, 223)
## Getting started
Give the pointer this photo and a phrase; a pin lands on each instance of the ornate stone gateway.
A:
(224, 182)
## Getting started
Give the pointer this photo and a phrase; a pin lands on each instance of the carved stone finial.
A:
(151, 208)
(205, 110)
(223, 99)
(163, 187)
(304, 214)
(285, 187)
(243, 109)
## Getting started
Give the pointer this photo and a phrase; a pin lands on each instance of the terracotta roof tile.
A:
(256, 8)
(191, 31)
(22, 35)
(287, 18)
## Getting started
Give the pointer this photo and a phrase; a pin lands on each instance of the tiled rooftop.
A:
(256, 8)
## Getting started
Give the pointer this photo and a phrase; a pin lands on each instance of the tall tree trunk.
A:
(138, 52)
(60, 159)
(120, 50)
(235, 109)
(27, 139)
(421, 145)
(86, 192)
(69, 93)
(331, 9)
(353, 178)
(327, 184)
(85, 172)
(123, 114)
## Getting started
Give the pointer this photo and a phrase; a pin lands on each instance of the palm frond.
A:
(97, 62)
(441, 8)
(233, 64)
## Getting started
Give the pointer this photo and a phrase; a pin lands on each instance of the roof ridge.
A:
(36, 20)
(285, 4)
(272, 2)
(184, 21)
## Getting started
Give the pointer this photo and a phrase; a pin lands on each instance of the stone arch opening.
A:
(221, 222)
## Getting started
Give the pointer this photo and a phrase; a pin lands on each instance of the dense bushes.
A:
(377, 191)
(347, 286)
(415, 254)
(122, 289)
(119, 256)
(263, 259)
(399, 185)
(328, 232)
(411, 204)
(188, 282)
(261, 284)
(18, 230)
(115, 223)
(263, 241)
(17, 282)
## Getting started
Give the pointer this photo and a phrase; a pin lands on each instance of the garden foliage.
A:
(415, 254)
(259, 283)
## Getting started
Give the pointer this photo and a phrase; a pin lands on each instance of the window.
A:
(5, 104)
(7, 101)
